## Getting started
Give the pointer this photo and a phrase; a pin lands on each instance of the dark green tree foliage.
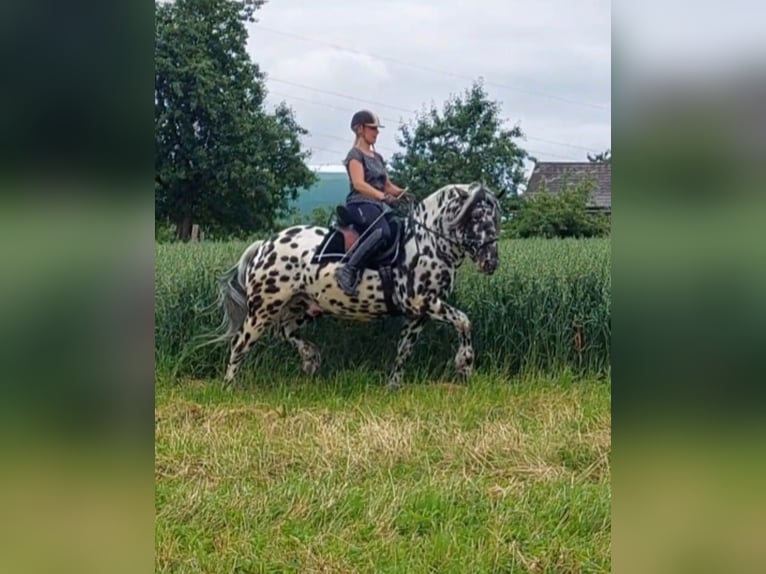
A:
(562, 214)
(465, 142)
(220, 159)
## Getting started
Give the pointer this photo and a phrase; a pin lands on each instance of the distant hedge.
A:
(547, 308)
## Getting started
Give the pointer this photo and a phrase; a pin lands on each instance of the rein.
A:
(473, 245)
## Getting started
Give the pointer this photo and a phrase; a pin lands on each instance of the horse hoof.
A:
(310, 368)
(463, 375)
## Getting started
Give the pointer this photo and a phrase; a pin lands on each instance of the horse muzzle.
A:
(488, 265)
(487, 259)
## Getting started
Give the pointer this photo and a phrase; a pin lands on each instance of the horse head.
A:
(468, 217)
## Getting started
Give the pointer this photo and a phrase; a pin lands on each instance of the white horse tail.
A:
(232, 295)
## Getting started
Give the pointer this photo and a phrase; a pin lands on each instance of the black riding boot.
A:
(349, 275)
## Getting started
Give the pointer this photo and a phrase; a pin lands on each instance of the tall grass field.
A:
(286, 473)
(547, 307)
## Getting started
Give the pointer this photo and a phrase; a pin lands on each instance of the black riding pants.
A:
(367, 215)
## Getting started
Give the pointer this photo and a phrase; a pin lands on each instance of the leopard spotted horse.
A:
(280, 283)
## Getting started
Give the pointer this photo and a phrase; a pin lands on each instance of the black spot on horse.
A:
(270, 260)
(293, 231)
(319, 232)
(284, 278)
(271, 289)
(286, 239)
(255, 304)
(284, 258)
(271, 280)
(294, 246)
(444, 279)
(293, 259)
(272, 307)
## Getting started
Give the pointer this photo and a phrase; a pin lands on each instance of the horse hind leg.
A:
(261, 314)
(240, 345)
(308, 351)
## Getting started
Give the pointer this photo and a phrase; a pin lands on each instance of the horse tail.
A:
(232, 295)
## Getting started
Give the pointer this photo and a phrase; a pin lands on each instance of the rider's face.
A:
(371, 134)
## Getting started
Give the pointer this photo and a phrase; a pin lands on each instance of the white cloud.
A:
(547, 62)
(325, 67)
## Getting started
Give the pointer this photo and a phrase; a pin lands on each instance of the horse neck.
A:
(430, 228)
(428, 213)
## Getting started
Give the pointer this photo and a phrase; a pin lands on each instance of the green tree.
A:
(466, 142)
(220, 159)
(561, 214)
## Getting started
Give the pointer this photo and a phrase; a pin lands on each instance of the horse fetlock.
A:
(228, 379)
(395, 379)
(463, 325)
(464, 361)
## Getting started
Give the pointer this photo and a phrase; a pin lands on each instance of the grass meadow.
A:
(333, 473)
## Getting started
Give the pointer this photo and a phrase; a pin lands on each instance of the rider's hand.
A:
(391, 199)
(405, 196)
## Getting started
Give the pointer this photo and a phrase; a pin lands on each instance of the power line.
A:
(428, 68)
(316, 103)
(338, 94)
(390, 120)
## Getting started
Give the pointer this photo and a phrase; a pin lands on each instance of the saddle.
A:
(343, 236)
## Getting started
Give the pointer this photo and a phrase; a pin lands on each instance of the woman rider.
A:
(370, 193)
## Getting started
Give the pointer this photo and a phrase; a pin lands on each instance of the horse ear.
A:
(462, 191)
(470, 198)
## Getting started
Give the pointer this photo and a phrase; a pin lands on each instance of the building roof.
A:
(555, 173)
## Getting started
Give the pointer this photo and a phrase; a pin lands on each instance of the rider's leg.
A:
(376, 236)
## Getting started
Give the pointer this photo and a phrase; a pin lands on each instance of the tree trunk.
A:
(184, 226)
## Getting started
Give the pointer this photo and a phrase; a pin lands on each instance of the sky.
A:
(547, 63)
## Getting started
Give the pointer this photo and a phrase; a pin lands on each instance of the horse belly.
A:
(324, 291)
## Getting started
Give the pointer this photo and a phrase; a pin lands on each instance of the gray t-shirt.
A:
(374, 173)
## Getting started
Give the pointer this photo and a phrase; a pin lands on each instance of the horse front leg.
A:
(409, 335)
(438, 310)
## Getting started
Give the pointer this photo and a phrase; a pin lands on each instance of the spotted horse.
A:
(280, 283)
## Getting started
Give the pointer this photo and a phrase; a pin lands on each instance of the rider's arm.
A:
(391, 188)
(356, 172)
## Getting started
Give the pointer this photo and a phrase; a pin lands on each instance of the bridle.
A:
(472, 245)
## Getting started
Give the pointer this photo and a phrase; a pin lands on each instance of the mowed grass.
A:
(339, 475)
